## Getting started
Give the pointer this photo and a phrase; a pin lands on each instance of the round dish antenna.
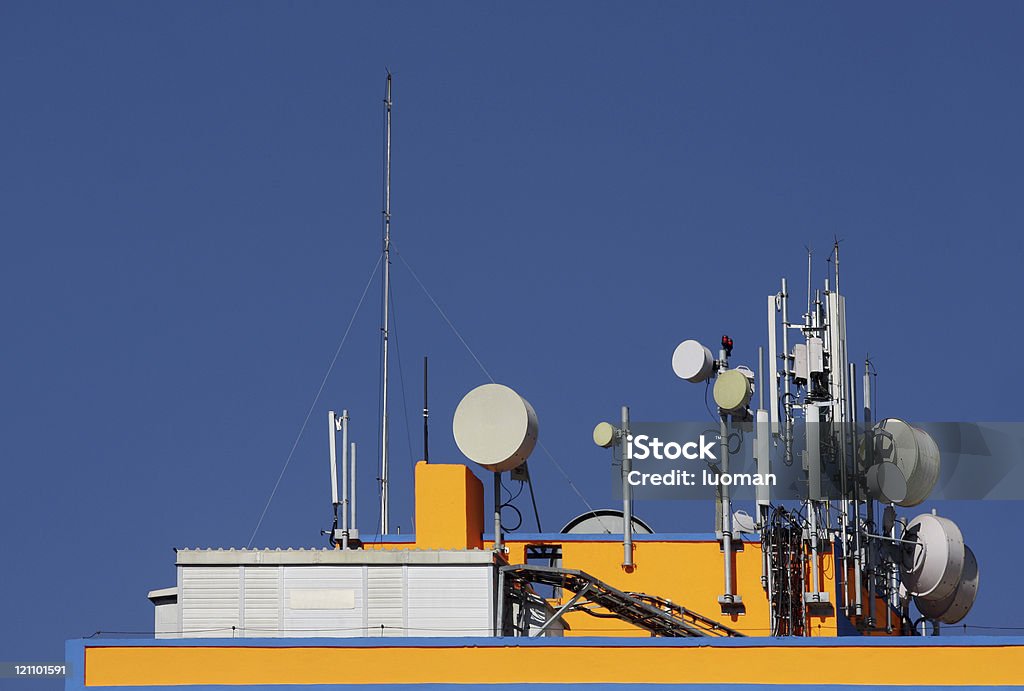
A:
(932, 567)
(914, 452)
(692, 361)
(604, 435)
(733, 389)
(952, 608)
(886, 482)
(495, 427)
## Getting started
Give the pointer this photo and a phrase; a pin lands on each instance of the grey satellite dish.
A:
(604, 521)
(952, 608)
(692, 361)
(932, 567)
(914, 452)
(885, 482)
(495, 427)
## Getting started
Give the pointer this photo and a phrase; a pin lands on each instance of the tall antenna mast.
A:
(384, 327)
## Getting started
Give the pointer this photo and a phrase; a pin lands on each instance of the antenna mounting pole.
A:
(426, 415)
(384, 321)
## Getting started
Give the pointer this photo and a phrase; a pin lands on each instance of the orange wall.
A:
(688, 573)
(449, 507)
(474, 665)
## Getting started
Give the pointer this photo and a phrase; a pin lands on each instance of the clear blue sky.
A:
(191, 206)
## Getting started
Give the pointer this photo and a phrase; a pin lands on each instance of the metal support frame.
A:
(657, 615)
(562, 610)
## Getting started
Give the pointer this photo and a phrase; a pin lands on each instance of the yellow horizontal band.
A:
(895, 665)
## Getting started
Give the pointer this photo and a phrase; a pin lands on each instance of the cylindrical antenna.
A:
(426, 416)
(835, 249)
(334, 462)
(384, 321)
(352, 518)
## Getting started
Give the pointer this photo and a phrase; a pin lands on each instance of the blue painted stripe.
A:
(607, 537)
(563, 537)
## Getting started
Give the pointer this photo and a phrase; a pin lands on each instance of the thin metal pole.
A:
(426, 415)
(352, 518)
(499, 615)
(497, 513)
(760, 377)
(726, 510)
(627, 493)
(384, 327)
(344, 479)
(787, 402)
(868, 563)
(807, 317)
(850, 477)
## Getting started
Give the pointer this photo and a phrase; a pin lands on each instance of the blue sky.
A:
(191, 207)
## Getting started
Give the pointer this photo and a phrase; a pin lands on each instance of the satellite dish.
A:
(952, 608)
(914, 452)
(495, 427)
(692, 361)
(733, 390)
(886, 482)
(604, 435)
(604, 521)
(932, 567)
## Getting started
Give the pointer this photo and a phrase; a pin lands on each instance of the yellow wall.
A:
(449, 507)
(877, 666)
(688, 573)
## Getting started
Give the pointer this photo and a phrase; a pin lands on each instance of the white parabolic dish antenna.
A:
(933, 566)
(495, 427)
(692, 361)
(914, 452)
(952, 608)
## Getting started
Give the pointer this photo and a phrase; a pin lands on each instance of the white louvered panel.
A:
(323, 601)
(209, 601)
(449, 601)
(385, 596)
(262, 601)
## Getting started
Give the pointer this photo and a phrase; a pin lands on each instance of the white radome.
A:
(932, 568)
(733, 390)
(495, 427)
(692, 361)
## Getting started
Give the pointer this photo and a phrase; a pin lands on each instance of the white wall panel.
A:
(262, 601)
(449, 601)
(311, 598)
(209, 601)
